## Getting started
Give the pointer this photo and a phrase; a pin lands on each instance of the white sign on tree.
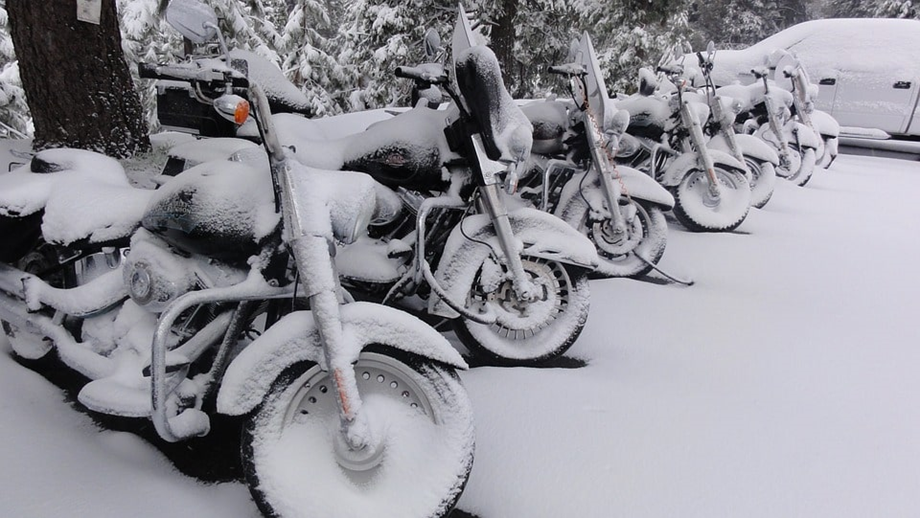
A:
(89, 11)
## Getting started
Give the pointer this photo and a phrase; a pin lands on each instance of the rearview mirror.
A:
(432, 44)
(193, 19)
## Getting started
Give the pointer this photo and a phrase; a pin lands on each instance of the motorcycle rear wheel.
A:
(699, 211)
(528, 333)
(294, 463)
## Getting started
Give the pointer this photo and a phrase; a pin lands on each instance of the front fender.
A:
(689, 161)
(637, 185)
(806, 137)
(543, 235)
(825, 124)
(296, 338)
(750, 146)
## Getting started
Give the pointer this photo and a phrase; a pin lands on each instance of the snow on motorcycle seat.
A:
(83, 197)
(506, 133)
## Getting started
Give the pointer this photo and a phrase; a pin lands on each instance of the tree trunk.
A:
(503, 35)
(76, 79)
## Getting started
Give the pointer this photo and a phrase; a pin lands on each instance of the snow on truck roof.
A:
(851, 44)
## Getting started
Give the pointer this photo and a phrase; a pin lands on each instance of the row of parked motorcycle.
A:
(294, 281)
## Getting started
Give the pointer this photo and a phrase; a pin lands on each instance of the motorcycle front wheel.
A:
(297, 465)
(629, 255)
(697, 209)
(526, 332)
(763, 181)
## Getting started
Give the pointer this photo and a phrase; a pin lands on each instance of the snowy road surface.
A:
(784, 383)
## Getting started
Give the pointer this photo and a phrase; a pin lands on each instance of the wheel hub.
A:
(521, 318)
(377, 375)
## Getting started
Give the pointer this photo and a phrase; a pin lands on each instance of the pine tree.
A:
(14, 111)
(375, 37)
(306, 60)
(634, 33)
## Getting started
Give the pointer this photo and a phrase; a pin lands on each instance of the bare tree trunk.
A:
(503, 35)
(76, 79)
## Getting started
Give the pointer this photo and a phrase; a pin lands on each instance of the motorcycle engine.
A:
(156, 274)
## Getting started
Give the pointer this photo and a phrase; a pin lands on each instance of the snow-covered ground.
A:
(782, 384)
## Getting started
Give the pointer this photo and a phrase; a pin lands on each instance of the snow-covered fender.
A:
(806, 137)
(825, 124)
(750, 146)
(543, 236)
(690, 161)
(638, 185)
(296, 338)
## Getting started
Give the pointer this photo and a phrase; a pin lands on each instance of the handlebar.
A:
(423, 74)
(760, 72)
(569, 69)
(671, 70)
(189, 74)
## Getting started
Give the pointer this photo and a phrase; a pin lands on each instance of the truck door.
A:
(875, 100)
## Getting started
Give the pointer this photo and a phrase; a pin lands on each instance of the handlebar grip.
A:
(669, 70)
(186, 74)
(422, 74)
(148, 71)
(568, 69)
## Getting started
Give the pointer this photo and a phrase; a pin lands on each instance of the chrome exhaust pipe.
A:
(82, 301)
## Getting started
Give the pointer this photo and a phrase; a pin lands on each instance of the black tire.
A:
(806, 169)
(699, 212)
(294, 471)
(511, 341)
(763, 181)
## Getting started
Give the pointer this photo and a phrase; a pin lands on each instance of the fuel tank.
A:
(224, 210)
(407, 150)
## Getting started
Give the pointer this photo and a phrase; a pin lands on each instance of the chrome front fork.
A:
(494, 205)
(610, 187)
(698, 141)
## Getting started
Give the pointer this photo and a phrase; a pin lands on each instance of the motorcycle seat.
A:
(83, 197)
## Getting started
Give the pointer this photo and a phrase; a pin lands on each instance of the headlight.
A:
(139, 287)
(628, 146)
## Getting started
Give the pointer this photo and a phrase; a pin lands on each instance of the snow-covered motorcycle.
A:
(766, 113)
(350, 409)
(789, 69)
(758, 158)
(574, 175)
(666, 140)
(512, 279)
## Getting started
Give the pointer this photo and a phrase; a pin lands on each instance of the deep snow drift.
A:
(781, 384)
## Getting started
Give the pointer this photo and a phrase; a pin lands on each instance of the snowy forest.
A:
(342, 53)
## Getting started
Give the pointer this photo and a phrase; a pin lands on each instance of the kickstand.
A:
(655, 267)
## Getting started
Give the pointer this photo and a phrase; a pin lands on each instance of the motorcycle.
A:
(666, 140)
(766, 113)
(512, 280)
(757, 157)
(574, 176)
(790, 70)
(227, 301)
